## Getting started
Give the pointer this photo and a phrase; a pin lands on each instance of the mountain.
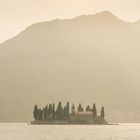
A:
(91, 58)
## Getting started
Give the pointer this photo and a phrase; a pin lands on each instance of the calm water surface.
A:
(68, 132)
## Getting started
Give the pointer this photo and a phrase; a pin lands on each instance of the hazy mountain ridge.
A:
(80, 59)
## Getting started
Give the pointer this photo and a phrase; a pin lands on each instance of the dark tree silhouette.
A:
(45, 112)
(53, 111)
(36, 112)
(40, 114)
(94, 110)
(59, 112)
(102, 112)
(73, 109)
(50, 112)
(68, 110)
(80, 108)
(88, 108)
(65, 112)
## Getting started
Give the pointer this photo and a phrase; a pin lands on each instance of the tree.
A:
(36, 112)
(40, 114)
(80, 108)
(67, 110)
(102, 112)
(45, 112)
(50, 111)
(59, 112)
(88, 108)
(94, 110)
(73, 109)
(53, 112)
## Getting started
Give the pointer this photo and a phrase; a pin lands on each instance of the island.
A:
(64, 115)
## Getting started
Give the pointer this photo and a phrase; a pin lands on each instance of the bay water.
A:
(23, 131)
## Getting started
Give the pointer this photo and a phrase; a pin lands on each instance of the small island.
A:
(64, 116)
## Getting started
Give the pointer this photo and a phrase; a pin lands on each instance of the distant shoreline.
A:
(66, 123)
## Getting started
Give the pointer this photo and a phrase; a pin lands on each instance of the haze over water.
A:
(69, 132)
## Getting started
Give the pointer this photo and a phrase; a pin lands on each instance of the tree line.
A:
(62, 113)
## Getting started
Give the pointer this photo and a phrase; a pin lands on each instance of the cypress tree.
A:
(40, 114)
(36, 112)
(59, 112)
(45, 111)
(94, 110)
(53, 112)
(80, 108)
(68, 110)
(65, 112)
(88, 108)
(73, 109)
(50, 112)
(102, 112)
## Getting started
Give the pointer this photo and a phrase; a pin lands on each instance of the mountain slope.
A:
(88, 58)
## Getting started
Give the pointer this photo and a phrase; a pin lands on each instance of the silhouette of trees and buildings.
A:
(49, 113)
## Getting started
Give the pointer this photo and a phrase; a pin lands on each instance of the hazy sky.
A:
(16, 15)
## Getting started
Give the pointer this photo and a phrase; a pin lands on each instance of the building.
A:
(82, 117)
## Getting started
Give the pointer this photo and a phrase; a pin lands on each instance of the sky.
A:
(16, 15)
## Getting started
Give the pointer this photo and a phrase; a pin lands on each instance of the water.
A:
(69, 132)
